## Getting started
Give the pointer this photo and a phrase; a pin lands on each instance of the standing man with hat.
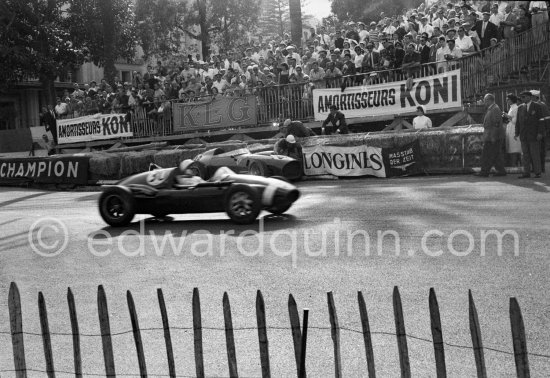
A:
(486, 30)
(546, 127)
(493, 139)
(530, 130)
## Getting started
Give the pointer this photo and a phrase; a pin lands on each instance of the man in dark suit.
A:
(486, 30)
(546, 128)
(371, 59)
(493, 139)
(50, 122)
(530, 130)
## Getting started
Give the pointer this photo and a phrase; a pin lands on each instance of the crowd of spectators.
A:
(426, 40)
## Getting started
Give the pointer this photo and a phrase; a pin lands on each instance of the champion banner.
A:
(93, 127)
(434, 92)
(62, 170)
(215, 113)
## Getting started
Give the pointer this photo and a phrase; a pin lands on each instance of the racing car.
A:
(242, 161)
(159, 192)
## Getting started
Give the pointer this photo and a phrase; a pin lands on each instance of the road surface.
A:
(424, 232)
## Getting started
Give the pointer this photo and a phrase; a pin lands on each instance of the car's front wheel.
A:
(243, 204)
(116, 207)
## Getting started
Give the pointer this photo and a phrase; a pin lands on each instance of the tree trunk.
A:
(280, 14)
(109, 52)
(46, 77)
(295, 10)
(205, 37)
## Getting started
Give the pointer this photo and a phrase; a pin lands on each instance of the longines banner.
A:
(93, 127)
(68, 170)
(215, 113)
(343, 161)
(362, 160)
(433, 92)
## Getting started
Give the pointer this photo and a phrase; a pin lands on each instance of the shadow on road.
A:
(156, 226)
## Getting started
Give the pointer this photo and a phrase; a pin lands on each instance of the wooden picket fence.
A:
(299, 336)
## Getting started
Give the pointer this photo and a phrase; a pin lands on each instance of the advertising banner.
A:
(54, 170)
(433, 92)
(93, 127)
(215, 113)
(343, 161)
(403, 161)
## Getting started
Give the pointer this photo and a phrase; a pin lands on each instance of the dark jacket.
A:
(492, 125)
(528, 123)
(338, 122)
(491, 31)
(424, 54)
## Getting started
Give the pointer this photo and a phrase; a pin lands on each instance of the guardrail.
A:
(299, 337)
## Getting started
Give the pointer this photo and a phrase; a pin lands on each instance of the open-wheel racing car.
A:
(159, 192)
(265, 163)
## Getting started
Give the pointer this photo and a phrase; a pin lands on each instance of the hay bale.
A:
(453, 143)
(168, 158)
(432, 143)
(190, 154)
(473, 143)
(403, 138)
(472, 160)
(451, 161)
(136, 162)
(104, 166)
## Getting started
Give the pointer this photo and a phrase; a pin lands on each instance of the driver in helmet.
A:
(187, 175)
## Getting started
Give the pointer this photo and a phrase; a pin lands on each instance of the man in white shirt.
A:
(363, 32)
(61, 109)
(220, 84)
(442, 51)
(421, 121)
(425, 27)
(440, 20)
(464, 42)
(496, 17)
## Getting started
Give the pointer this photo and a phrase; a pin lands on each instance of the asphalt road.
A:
(319, 247)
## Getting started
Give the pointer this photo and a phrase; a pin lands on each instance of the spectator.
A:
(337, 122)
(411, 61)
(513, 146)
(425, 27)
(522, 21)
(464, 42)
(496, 17)
(493, 138)
(317, 75)
(508, 22)
(546, 123)
(61, 109)
(539, 13)
(530, 130)
(421, 121)
(295, 128)
(442, 51)
(454, 54)
(486, 30)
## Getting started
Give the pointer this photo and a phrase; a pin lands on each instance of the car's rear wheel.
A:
(256, 169)
(243, 204)
(279, 208)
(116, 207)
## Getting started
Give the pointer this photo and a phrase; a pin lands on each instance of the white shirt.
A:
(426, 29)
(538, 4)
(439, 22)
(464, 43)
(421, 122)
(358, 61)
(496, 18)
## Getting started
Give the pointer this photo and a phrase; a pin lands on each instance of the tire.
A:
(198, 170)
(256, 169)
(242, 204)
(279, 208)
(116, 207)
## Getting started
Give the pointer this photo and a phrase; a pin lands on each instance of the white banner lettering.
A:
(343, 161)
(433, 92)
(93, 127)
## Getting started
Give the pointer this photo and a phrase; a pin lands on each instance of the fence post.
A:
(197, 333)
(16, 326)
(105, 329)
(229, 337)
(302, 369)
(46, 338)
(76, 334)
(295, 328)
(262, 335)
(518, 338)
(167, 337)
(137, 335)
(335, 333)
(437, 335)
(366, 334)
(401, 334)
(477, 342)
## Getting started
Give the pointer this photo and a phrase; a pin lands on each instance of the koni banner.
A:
(433, 92)
(93, 127)
(215, 113)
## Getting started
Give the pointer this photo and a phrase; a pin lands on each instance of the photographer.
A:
(337, 119)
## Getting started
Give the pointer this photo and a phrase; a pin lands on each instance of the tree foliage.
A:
(33, 41)
(360, 10)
